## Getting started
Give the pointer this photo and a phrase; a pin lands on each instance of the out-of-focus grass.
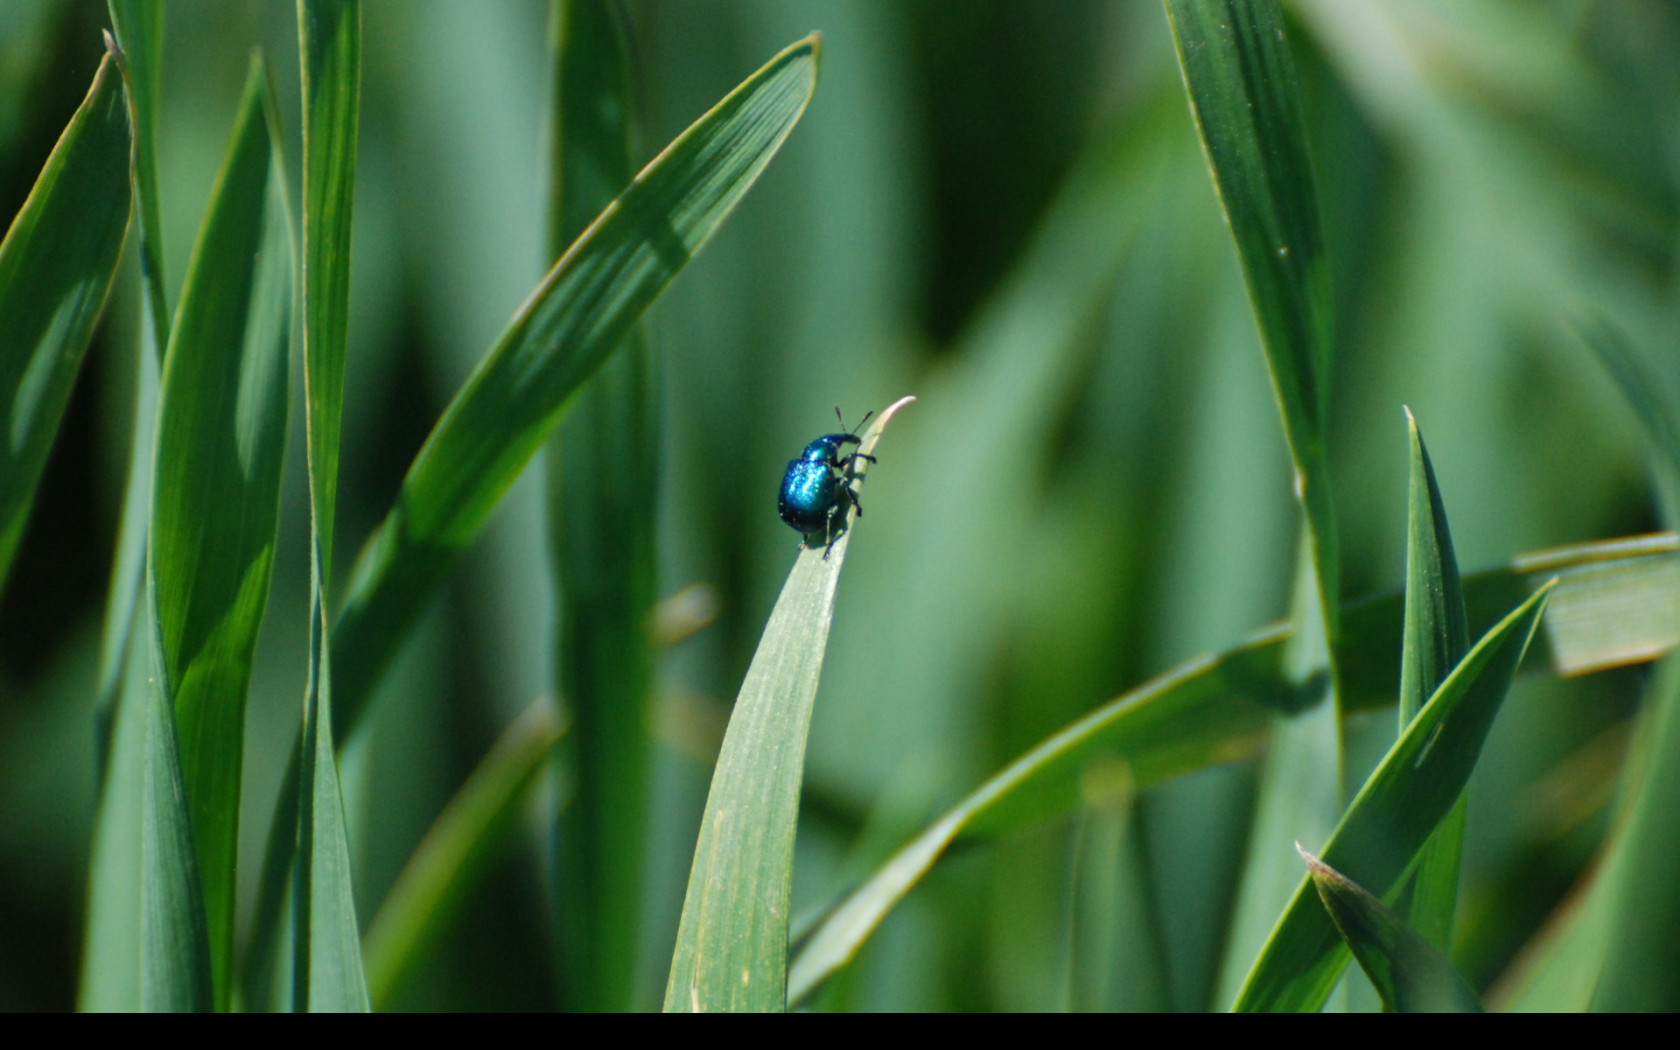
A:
(1004, 209)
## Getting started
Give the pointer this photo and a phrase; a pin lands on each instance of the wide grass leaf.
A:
(732, 943)
(326, 943)
(1380, 834)
(1407, 971)
(221, 442)
(56, 265)
(579, 312)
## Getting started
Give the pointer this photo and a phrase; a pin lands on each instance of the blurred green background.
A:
(998, 207)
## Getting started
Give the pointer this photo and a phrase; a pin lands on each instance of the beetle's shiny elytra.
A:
(817, 488)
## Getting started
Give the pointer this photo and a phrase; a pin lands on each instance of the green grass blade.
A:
(1230, 700)
(327, 962)
(56, 265)
(603, 469)
(1387, 823)
(221, 441)
(1246, 99)
(456, 851)
(732, 943)
(1435, 639)
(580, 311)
(1407, 971)
(139, 32)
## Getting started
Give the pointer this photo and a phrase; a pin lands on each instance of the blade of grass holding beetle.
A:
(327, 970)
(456, 852)
(1641, 971)
(111, 967)
(138, 27)
(1378, 839)
(603, 464)
(732, 943)
(56, 264)
(1410, 974)
(1232, 699)
(1435, 638)
(215, 512)
(579, 312)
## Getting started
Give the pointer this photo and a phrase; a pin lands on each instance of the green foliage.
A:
(1114, 251)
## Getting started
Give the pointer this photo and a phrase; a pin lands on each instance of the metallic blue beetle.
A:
(817, 487)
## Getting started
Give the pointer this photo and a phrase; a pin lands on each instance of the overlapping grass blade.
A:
(221, 441)
(56, 265)
(455, 852)
(1434, 640)
(603, 474)
(1379, 836)
(580, 311)
(326, 943)
(732, 943)
(1407, 971)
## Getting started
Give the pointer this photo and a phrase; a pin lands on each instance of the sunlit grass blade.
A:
(1434, 640)
(56, 265)
(580, 311)
(1408, 972)
(326, 942)
(1217, 709)
(1401, 803)
(455, 852)
(221, 441)
(602, 479)
(732, 943)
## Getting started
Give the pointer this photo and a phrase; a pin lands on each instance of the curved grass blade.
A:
(1246, 99)
(56, 265)
(732, 943)
(326, 941)
(1407, 971)
(456, 851)
(1217, 709)
(1385, 826)
(603, 465)
(1435, 639)
(221, 441)
(580, 311)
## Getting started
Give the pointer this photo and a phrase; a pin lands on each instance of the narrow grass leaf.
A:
(327, 953)
(56, 265)
(579, 312)
(603, 475)
(1401, 803)
(732, 943)
(1407, 971)
(1246, 100)
(1435, 638)
(221, 440)
(456, 852)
